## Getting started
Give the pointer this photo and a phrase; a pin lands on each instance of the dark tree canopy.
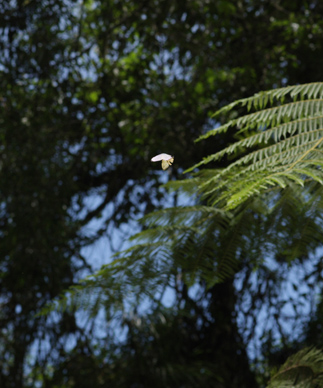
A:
(90, 91)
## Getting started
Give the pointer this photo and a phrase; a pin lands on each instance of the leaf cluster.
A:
(303, 370)
(279, 144)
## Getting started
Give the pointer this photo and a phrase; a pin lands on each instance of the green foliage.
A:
(89, 92)
(205, 244)
(302, 370)
(277, 146)
(209, 244)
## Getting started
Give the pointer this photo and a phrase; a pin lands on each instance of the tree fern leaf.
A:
(316, 91)
(288, 151)
(187, 186)
(294, 110)
(229, 107)
(308, 90)
(311, 90)
(302, 370)
(293, 177)
(263, 157)
(279, 180)
(255, 139)
(299, 90)
(280, 149)
(249, 104)
(315, 174)
(281, 132)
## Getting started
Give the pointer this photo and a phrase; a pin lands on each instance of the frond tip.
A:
(302, 370)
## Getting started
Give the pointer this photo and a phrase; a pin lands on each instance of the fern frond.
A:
(285, 146)
(302, 370)
(271, 116)
(311, 127)
(187, 186)
(191, 215)
(279, 151)
(266, 169)
(261, 99)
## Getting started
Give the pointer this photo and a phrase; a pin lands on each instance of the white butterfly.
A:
(167, 160)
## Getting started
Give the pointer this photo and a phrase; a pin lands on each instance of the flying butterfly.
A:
(167, 160)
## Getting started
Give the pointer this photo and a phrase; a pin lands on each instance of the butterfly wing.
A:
(165, 164)
(170, 161)
(159, 157)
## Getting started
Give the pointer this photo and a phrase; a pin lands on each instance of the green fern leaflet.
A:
(280, 143)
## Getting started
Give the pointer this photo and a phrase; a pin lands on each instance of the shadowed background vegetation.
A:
(90, 91)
